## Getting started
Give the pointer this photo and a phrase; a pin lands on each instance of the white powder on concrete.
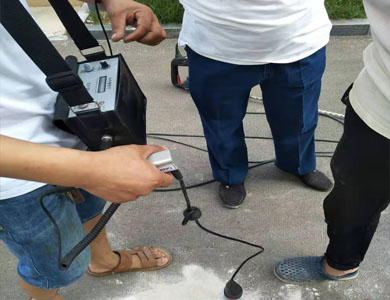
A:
(290, 292)
(195, 283)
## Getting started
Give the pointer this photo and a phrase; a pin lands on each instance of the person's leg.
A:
(28, 233)
(103, 258)
(39, 294)
(361, 168)
(290, 95)
(220, 92)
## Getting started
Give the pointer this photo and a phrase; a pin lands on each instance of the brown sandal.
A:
(148, 261)
(33, 297)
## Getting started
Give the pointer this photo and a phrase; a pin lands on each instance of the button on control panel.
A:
(104, 64)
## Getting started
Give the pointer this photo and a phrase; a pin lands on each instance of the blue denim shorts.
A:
(29, 235)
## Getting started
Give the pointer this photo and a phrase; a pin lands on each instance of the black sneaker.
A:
(232, 196)
(317, 180)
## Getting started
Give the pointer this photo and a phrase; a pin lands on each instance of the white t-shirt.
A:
(248, 32)
(370, 95)
(26, 108)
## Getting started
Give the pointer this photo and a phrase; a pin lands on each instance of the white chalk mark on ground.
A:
(195, 283)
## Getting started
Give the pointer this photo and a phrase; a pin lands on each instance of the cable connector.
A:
(191, 214)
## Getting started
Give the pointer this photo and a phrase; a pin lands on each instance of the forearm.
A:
(42, 163)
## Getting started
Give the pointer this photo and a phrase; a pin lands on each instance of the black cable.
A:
(104, 29)
(65, 262)
(176, 142)
(159, 135)
(320, 113)
(95, 231)
(188, 188)
(57, 190)
(256, 164)
(236, 240)
(163, 137)
(183, 188)
(193, 213)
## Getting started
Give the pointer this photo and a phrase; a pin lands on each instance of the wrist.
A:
(88, 169)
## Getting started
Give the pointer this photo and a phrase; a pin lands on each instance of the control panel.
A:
(100, 80)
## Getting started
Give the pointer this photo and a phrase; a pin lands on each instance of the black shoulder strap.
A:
(25, 31)
(75, 27)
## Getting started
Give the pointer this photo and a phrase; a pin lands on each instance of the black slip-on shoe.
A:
(232, 196)
(317, 180)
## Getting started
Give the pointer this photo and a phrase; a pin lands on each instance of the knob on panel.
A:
(87, 67)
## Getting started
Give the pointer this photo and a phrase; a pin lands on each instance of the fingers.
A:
(138, 34)
(121, 198)
(147, 150)
(153, 38)
(116, 196)
(148, 30)
(126, 174)
(163, 179)
(142, 20)
(124, 12)
(118, 27)
(166, 180)
(156, 35)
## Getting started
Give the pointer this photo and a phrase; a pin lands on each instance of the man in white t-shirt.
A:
(233, 46)
(35, 155)
(360, 165)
